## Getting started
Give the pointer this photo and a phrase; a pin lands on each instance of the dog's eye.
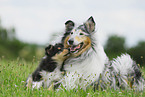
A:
(81, 33)
(71, 33)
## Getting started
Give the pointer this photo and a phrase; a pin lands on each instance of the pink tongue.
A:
(78, 47)
(74, 48)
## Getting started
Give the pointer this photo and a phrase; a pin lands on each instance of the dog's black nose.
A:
(70, 42)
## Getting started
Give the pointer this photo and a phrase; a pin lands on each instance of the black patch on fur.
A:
(62, 67)
(47, 63)
(137, 73)
(36, 75)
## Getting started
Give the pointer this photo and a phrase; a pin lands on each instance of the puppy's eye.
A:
(81, 33)
(59, 48)
(71, 32)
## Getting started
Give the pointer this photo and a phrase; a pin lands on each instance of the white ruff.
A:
(85, 69)
(49, 77)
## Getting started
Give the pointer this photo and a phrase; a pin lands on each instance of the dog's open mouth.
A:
(76, 48)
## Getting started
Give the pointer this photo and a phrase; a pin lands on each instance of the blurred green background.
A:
(12, 48)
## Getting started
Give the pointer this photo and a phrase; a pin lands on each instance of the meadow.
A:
(13, 74)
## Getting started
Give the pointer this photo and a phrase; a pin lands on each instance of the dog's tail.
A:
(127, 73)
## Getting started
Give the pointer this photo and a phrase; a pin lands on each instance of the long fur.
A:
(122, 73)
(87, 64)
(47, 67)
(85, 69)
(50, 70)
(93, 68)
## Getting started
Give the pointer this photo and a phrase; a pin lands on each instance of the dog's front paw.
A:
(37, 85)
(31, 84)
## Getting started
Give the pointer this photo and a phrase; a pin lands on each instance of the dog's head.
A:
(79, 39)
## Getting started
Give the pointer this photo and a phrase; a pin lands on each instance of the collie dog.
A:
(85, 63)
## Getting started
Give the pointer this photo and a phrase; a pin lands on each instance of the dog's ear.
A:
(90, 24)
(69, 25)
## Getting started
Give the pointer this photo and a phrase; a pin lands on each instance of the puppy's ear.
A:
(48, 49)
(90, 24)
(69, 25)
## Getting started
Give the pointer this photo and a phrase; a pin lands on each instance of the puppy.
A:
(50, 69)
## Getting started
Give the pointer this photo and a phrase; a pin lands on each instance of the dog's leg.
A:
(34, 80)
(59, 58)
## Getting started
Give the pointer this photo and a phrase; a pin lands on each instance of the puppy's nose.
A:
(70, 42)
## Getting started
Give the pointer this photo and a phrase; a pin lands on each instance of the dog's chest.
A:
(83, 71)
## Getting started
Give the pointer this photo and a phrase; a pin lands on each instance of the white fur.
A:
(31, 83)
(84, 70)
(123, 64)
(49, 77)
(36, 85)
(141, 85)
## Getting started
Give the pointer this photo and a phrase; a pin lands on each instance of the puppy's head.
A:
(79, 39)
(52, 50)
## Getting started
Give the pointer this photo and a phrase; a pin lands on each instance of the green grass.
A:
(14, 73)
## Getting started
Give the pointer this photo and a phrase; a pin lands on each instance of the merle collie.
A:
(89, 65)
(85, 63)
